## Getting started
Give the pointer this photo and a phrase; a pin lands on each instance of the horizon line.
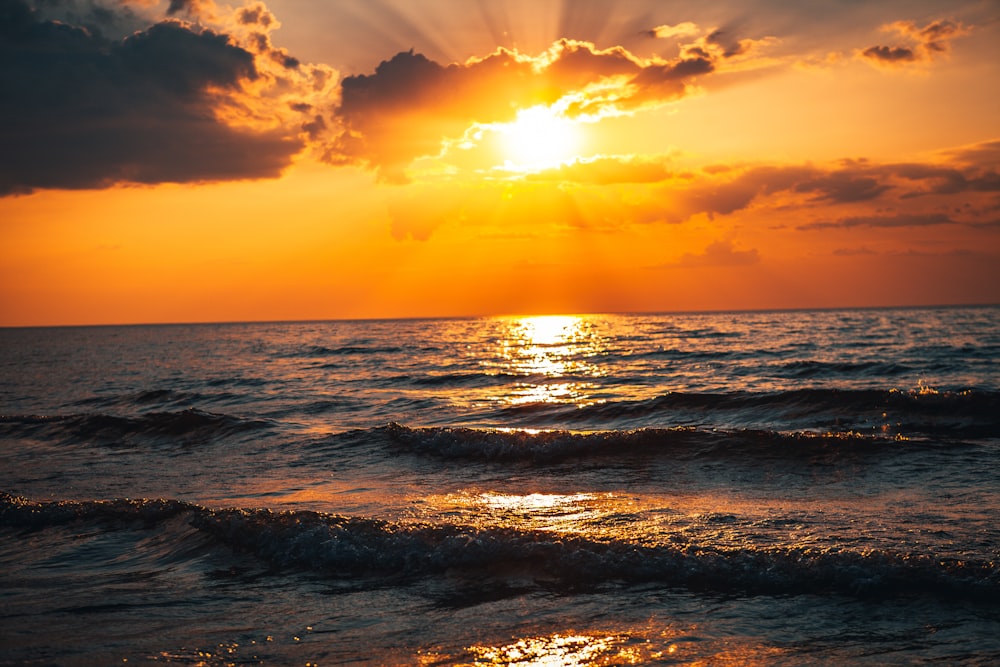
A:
(418, 318)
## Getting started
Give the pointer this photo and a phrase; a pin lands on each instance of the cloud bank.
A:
(959, 187)
(101, 92)
(171, 102)
(410, 104)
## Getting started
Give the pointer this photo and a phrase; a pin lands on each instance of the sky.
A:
(193, 160)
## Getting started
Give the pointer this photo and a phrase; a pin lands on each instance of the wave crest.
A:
(338, 546)
(189, 426)
(678, 442)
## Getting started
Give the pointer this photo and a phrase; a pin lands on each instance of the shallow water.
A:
(772, 488)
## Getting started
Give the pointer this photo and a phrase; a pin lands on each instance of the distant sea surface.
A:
(780, 488)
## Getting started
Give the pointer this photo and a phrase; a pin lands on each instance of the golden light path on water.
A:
(558, 363)
(670, 644)
(546, 351)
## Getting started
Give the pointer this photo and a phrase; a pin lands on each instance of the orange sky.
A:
(190, 160)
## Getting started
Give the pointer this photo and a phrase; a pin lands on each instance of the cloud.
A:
(201, 9)
(715, 45)
(94, 15)
(172, 102)
(924, 44)
(897, 220)
(890, 54)
(717, 254)
(850, 184)
(843, 186)
(612, 193)
(410, 104)
(984, 155)
(666, 31)
(853, 252)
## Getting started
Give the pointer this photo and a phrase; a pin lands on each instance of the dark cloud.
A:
(722, 191)
(925, 43)
(194, 8)
(410, 103)
(985, 155)
(898, 220)
(942, 180)
(730, 46)
(94, 15)
(843, 186)
(890, 54)
(79, 110)
(656, 75)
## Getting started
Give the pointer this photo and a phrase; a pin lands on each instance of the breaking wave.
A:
(347, 547)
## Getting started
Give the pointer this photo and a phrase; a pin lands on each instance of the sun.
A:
(541, 137)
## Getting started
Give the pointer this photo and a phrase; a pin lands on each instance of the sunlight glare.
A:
(540, 138)
(559, 651)
(550, 329)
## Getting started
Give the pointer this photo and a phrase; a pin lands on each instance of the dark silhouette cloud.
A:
(94, 15)
(80, 110)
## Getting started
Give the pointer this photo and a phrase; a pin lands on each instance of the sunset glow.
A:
(198, 161)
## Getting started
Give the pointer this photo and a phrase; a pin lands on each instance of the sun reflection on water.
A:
(556, 651)
(553, 353)
(580, 513)
(670, 645)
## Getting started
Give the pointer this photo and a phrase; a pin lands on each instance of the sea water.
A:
(737, 488)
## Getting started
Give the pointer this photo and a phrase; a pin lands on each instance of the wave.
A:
(313, 351)
(167, 398)
(681, 442)
(141, 398)
(803, 369)
(184, 427)
(966, 413)
(349, 547)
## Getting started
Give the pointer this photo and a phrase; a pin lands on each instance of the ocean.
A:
(779, 488)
